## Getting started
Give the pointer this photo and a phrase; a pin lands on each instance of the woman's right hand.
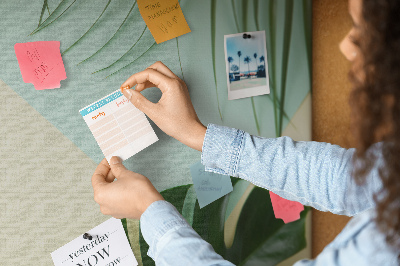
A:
(173, 113)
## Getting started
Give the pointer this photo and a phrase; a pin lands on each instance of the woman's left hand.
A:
(128, 196)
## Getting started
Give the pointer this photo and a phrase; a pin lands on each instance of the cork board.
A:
(330, 108)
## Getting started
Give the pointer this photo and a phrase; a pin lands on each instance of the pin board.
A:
(111, 41)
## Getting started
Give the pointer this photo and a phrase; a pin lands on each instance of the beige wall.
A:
(331, 90)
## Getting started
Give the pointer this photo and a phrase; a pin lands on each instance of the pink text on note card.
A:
(41, 63)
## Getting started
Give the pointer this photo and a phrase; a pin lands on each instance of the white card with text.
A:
(118, 126)
(108, 247)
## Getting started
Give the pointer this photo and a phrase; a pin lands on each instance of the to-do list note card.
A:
(118, 126)
(108, 246)
(209, 186)
(41, 63)
(164, 18)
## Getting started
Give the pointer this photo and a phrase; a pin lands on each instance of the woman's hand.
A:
(127, 197)
(174, 113)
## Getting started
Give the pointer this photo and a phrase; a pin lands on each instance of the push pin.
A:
(88, 236)
(125, 88)
(246, 36)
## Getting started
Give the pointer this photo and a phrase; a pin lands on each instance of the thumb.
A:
(116, 166)
(138, 100)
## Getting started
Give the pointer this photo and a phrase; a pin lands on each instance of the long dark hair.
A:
(375, 103)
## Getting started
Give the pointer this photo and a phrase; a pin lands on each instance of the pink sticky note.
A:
(41, 63)
(284, 209)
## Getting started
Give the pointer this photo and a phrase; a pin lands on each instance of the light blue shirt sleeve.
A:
(313, 173)
(172, 241)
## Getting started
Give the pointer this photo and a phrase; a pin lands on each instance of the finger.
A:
(117, 167)
(100, 174)
(159, 80)
(160, 67)
(110, 177)
(140, 102)
(142, 86)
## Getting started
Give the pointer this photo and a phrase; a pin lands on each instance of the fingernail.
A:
(115, 160)
(129, 94)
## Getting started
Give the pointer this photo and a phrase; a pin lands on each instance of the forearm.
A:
(172, 241)
(312, 173)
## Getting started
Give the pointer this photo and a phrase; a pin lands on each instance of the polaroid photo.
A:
(246, 64)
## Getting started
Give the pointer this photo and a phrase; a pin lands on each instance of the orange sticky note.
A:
(164, 18)
(41, 64)
(284, 209)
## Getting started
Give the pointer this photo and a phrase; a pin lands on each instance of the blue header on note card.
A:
(100, 103)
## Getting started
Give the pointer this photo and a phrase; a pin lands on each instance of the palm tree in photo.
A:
(239, 55)
(262, 71)
(262, 59)
(255, 60)
(247, 60)
(230, 60)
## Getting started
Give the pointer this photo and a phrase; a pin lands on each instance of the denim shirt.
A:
(312, 173)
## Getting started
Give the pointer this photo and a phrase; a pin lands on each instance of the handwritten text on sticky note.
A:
(164, 18)
(284, 209)
(41, 63)
(209, 186)
(108, 246)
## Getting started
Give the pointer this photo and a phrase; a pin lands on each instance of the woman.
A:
(363, 183)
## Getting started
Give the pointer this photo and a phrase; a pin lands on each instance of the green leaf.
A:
(213, 33)
(255, 116)
(284, 243)
(307, 10)
(133, 6)
(41, 14)
(209, 223)
(105, 8)
(189, 205)
(179, 57)
(287, 34)
(239, 187)
(255, 3)
(125, 225)
(54, 11)
(124, 53)
(47, 5)
(285, 115)
(133, 60)
(245, 5)
(259, 233)
(235, 15)
(40, 20)
(234, 180)
(272, 25)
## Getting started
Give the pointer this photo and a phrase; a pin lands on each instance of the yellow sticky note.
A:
(164, 18)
